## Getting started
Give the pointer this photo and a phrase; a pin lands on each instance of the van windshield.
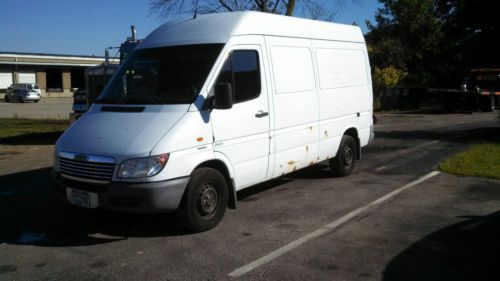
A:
(166, 75)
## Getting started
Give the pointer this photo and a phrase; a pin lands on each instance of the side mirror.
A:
(223, 96)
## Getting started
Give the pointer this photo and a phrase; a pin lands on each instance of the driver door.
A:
(242, 133)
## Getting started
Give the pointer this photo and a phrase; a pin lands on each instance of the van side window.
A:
(242, 71)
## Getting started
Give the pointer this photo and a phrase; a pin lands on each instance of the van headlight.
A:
(142, 167)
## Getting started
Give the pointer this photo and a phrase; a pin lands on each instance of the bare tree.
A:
(315, 9)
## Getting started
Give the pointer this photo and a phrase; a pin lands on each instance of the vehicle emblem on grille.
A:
(81, 157)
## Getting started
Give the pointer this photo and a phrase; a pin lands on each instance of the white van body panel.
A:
(238, 134)
(295, 103)
(190, 145)
(219, 27)
(345, 91)
(120, 135)
(315, 87)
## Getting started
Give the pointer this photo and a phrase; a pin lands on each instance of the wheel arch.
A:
(353, 132)
(220, 166)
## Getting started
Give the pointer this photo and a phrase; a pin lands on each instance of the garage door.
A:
(5, 79)
(27, 77)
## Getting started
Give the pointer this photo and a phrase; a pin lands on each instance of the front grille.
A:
(95, 171)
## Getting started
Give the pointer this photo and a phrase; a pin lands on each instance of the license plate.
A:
(82, 198)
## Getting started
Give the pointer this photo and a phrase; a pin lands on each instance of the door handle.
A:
(261, 114)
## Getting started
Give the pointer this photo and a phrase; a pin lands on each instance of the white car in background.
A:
(23, 92)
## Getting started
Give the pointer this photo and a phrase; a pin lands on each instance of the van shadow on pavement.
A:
(468, 250)
(317, 171)
(32, 212)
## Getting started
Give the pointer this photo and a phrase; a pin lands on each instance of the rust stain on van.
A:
(290, 163)
(326, 133)
(307, 148)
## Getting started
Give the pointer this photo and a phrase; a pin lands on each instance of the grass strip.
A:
(30, 131)
(480, 160)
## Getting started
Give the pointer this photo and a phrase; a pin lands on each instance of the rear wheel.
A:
(343, 164)
(488, 104)
(492, 104)
(204, 202)
(6, 99)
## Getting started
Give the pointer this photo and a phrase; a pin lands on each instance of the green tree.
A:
(435, 41)
(387, 77)
(472, 28)
(407, 35)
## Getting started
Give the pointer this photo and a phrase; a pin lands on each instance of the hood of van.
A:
(118, 134)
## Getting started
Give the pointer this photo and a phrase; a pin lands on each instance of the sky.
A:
(86, 27)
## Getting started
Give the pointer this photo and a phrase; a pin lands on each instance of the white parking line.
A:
(381, 168)
(326, 228)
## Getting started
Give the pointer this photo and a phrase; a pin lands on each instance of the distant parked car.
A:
(80, 101)
(23, 92)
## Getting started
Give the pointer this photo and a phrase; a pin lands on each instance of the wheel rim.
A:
(208, 200)
(348, 156)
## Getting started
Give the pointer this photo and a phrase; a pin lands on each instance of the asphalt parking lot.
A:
(47, 108)
(394, 218)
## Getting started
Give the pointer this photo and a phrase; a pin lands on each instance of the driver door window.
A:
(242, 71)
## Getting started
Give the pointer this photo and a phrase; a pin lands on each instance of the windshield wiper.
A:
(109, 101)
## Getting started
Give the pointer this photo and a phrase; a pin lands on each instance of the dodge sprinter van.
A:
(208, 106)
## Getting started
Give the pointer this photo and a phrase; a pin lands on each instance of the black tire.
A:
(36, 101)
(6, 99)
(488, 104)
(344, 162)
(492, 104)
(204, 202)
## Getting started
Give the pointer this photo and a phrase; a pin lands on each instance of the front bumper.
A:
(31, 98)
(141, 197)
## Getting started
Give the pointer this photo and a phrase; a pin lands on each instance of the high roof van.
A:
(208, 106)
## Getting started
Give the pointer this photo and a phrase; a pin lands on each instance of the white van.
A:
(208, 106)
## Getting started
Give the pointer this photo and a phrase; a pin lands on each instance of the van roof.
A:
(218, 27)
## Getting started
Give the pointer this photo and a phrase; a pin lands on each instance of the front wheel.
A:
(204, 202)
(343, 164)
